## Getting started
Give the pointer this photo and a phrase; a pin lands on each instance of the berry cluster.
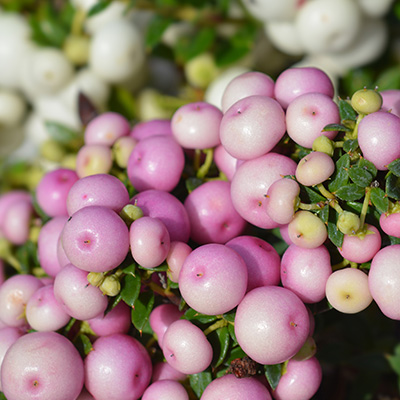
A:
(156, 276)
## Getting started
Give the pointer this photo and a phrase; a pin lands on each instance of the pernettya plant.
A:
(193, 258)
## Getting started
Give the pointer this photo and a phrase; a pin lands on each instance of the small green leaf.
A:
(199, 382)
(192, 183)
(26, 254)
(189, 47)
(157, 26)
(161, 268)
(341, 176)
(346, 111)
(231, 330)
(193, 315)
(394, 167)
(324, 214)
(394, 240)
(230, 316)
(393, 186)
(368, 166)
(313, 196)
(130, 289)
(2, 396)
(130, 269)
(62, 133)
(142, 309)
(224, 341)
(360, 176)
(336, 127)
(379, 200)
(273, 374)
(98, 7)
(236, 352)
(83, 344)
(334, 235)
(350, 145)
(350, 192)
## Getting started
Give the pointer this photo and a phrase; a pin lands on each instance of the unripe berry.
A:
(366, 101)
(348, 223)
(324, 145)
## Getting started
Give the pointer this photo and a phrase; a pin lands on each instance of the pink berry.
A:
(271, 324)
(42, 365)
(213, 218)
(390, 223)
(178, 251)
(208, 271)
(165, 390)
(314, 168)
(196, 125)
(152, 127)
(252, 127)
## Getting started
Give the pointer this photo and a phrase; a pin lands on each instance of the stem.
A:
(338, 144)
(218, 324)
(340, 265)
(312, 206)
(326, 193)
(78, 21)
(196, 161)
(365, 207)
(164, 292)
(203, 170)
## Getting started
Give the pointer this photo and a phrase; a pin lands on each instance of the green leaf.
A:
(142, 309)
(83, 344)
(346, 111)
(192, 183)
(130, 269)
(336, 127)
(130, 289)
(199, 382)
(360, 176)
(223, 344)
(231, 330)
(98, 7)
(47, 30)
(334, 235)
(313, 196)
(394, 167)
(341, 176)
(26, 254)
(62, 133)
(350, 145)
(379, 200)
(394, 240)
(236, 352)
(193, 315)
(2, 396)
(350, 192)
(161, 268)
(273, 374)
(368, 166)
(189, 47)
(324, 214)
(393, 186)
(157, 26)
(230, 316)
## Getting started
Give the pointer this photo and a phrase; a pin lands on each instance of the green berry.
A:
(348, 223)
(366, 101)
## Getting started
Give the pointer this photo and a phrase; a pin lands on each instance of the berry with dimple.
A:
(252, 126)
(347, 290)
(95, 239)
(271, 324)
(314, 168)
(165, 390)
(208, 271)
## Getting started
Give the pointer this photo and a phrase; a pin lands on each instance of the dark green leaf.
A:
(379, 200)
(130, 289)
(394, 240)
(393, 186)
(199, 382)
(2, 396)
(26, 254)
(334, 235)
(122, 100)
(324, 214)
(130, 269)
(155, 30)
(336, 127)
(83, 344)
(341, 175)
(350, 192)
(192, 183)
(142, 309)
(236, 352)
(98, 7)
(61, 133)
(188, 47)
(230, 316)
(273, 374)
(231, 330)
(313, 196)
(350, 145)
(193, 315)
(220, 350)
(47, 31)
(161, 268)
(368, 166)
(360, 176)
(394, 167)
(346, 111)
